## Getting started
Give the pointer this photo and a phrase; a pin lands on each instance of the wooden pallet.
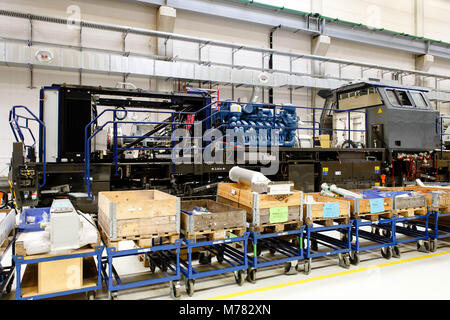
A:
(411, 212)
(327, 222)
(143, 241)
(215, 234)
(277, 227)
(374, 216)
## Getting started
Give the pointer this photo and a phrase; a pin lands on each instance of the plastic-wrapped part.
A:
(247, 177)
(7, 222)
(88, 231)
(341, 191)
(328, 194)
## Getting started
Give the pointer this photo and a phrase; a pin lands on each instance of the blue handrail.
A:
(18, 135)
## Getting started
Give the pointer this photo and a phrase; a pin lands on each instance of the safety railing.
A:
(17, 127)
(213, 112)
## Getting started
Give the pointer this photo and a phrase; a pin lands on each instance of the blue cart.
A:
(32, 293)
(381, 236)
(436, 231)
(236, 260)
(415, 228)
(164, 256)
(340, 246)
(285, 248)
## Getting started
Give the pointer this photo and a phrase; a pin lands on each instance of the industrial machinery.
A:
(95, 139)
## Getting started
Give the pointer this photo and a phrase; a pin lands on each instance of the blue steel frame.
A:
(380, 240)
(336, 245)
(437, 231)
(236, 259)
(414, 235)
(280, 246)
(18, 135)
(208, 120)
(7, 273)
(20, 260)
(164, 251)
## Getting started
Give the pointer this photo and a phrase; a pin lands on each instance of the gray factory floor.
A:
(374, 278)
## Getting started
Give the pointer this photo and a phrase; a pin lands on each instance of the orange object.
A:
(383, 179)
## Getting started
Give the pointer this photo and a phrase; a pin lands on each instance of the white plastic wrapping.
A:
(7, 222)
(39, 242)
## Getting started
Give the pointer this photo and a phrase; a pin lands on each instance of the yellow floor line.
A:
(293, 283)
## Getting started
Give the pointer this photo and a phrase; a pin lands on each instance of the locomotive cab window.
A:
(399, 98)
(419, 99)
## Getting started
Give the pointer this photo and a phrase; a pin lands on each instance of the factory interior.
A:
(235, 150)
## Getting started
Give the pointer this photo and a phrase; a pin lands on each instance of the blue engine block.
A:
(258, 124)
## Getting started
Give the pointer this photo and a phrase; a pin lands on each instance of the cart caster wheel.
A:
(396, 252)
(354, 258)
(239, 277)
(314, 245)
(433, 245)
(90, 295)
(272, 251)
(423, 246)
(290, 269)
(344, 261)
(175, 290)
(386, 252)
(307, 267)
(189, 286)
(112, 295)
(414, 227)
(386, 233)
(251, 275)
(204, 258)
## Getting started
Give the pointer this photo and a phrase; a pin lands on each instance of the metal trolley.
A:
(341, 246)
(381, 236)
(436, 231)
(166, 257)
(408, 226)
(20, 260)
(288, 245)
(236, 260)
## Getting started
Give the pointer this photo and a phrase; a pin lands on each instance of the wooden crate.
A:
(143, 213)
(261, 208)
(366, 207)
(436, 198)
(322, 211)
(220, 217)
(59, 275)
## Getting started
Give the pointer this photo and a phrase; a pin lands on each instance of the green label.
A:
(232, 235)
(278, 215)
